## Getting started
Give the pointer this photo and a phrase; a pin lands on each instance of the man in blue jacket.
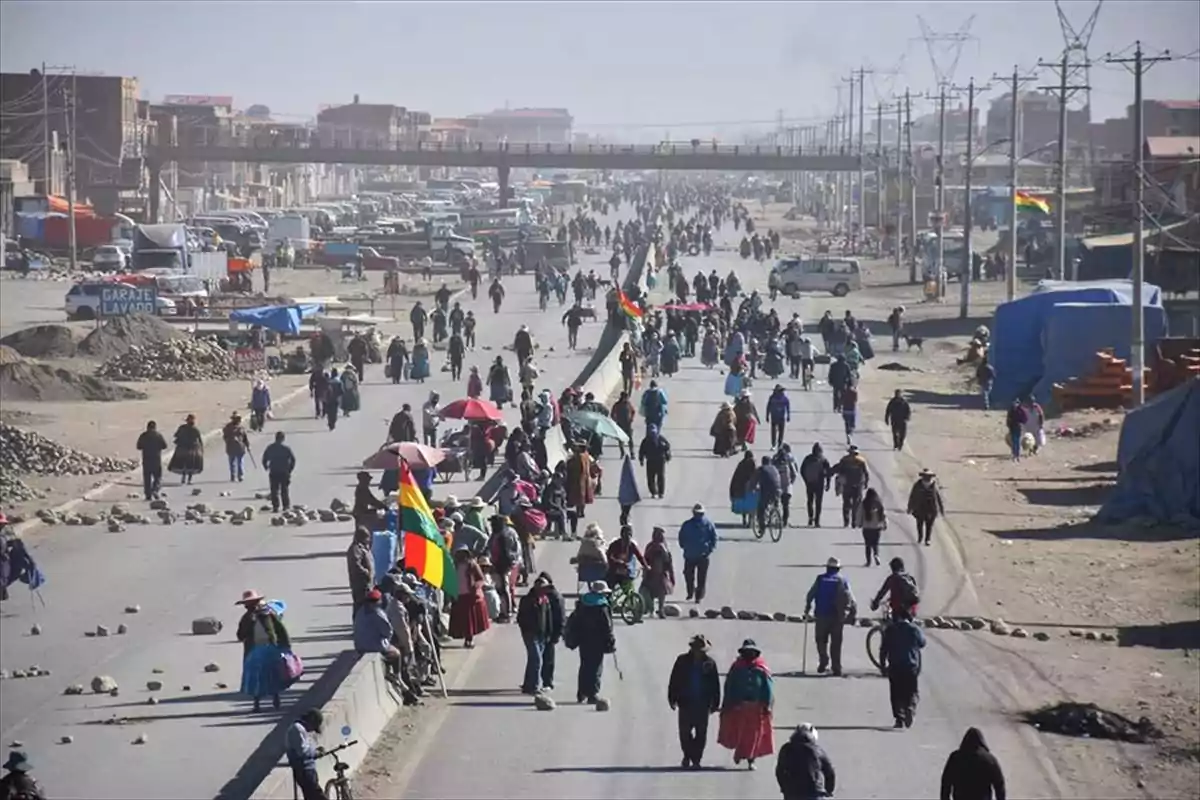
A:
(779, 413)
(834, 607)
(900, 660)
(698, 540)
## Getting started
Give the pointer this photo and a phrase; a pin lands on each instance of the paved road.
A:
(632, 751)
(177, 574)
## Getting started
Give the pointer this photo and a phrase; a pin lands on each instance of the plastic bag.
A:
(291, 668)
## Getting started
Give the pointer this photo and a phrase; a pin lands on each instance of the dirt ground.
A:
(112, 428)
(1036, 560)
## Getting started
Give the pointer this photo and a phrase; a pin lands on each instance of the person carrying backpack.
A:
(654, 405)
(901, 591)
(504, 548)
(590, 629)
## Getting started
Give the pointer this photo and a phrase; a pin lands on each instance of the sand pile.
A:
(42, 341)
(8, 355)
(29, 380)
(119, 335)
(26, 452)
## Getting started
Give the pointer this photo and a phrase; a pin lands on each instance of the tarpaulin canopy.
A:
(283, 319)
(1159, 461)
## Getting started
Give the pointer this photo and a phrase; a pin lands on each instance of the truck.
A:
(159, 246)
(288, 227)
(339, 254)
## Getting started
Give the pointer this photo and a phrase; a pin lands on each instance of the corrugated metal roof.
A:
(1173, 146)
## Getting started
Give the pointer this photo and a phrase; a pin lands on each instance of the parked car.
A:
(83, 302)
(838, 276)
(108, 258)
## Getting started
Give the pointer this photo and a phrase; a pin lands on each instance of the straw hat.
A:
(249, 596)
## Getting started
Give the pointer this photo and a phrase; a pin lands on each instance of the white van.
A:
(838, 276)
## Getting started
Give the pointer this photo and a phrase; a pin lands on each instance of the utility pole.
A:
(912, 189)
(848, 218)
(862, 217)
(964, 277)
(1060, 212)
(899, 183)
(939, 200)
(71, 163)
(1014, 149)
(46, 160)
(1137, 361)
(879, 171)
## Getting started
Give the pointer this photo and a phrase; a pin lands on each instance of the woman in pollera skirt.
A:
(469, 613)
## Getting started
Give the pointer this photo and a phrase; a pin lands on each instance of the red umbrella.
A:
(472, 409)
(417, 455)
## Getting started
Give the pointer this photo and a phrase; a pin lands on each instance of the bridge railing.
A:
(317, 141)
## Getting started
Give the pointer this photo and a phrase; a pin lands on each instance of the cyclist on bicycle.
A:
(769, 486)
(621, 554)
(808, 355)
(785, 463)
(901, 591)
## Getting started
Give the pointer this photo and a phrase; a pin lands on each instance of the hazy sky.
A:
(623, 69)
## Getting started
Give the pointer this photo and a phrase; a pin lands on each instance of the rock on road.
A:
(198, 739)
(633, 751)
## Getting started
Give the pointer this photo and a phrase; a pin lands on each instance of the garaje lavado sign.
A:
(119, 299)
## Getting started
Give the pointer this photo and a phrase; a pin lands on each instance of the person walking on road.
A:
(360, 566)
(418, 317)
(850, 410)
(802, 769)
(694, 692)
(654, 453)
(590, 629)
(697, 540)
(816, 473)
(658, 580)
(874, 523)
(972, 772)
(430, 419)
(468, 612)
(900, 661)
(785, 463)
(188, 459)
(853, 477)
(925, 505)
(279, 461)
(834, 606)
(151, 445)
(333, 398)
(746, 711)
(540, 617)
(900, 588)
(264, 641)
(897, 414)
(237, 442)
(779, 414)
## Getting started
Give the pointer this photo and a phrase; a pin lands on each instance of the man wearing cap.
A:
(590, 628)
(697, 540)
(301, 750)
(779, 414)
(834, 607)
(694, 691)
(366, 504)
(19, 782)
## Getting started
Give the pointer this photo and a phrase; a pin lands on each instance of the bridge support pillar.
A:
(155, 192)
(505, 192)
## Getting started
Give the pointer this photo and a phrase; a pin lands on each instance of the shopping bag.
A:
(291, 667)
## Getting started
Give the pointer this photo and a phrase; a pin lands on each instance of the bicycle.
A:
(875, 636)
(627, 603)
(774, 522)
(338, 788)
(807, 378)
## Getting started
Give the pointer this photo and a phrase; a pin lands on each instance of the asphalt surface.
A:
(633, 751)
(198, 739)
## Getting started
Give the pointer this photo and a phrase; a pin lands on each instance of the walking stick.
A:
(617, 665)
(804, 649)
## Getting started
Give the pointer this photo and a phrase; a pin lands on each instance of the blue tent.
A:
(1159, 460)
(1017, 350)
(282, 319)
(1073, 333)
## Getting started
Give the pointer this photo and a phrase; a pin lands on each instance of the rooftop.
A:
(1173, 146)
(1180, 105)
(530, 113)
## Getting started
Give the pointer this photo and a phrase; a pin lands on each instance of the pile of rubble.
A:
(119, 335)
(13, 490)
(1090, 721)
(116, 518)
(177, 360)
(27, 452)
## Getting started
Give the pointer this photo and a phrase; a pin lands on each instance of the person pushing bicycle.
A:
(900, 589)
(768, 483)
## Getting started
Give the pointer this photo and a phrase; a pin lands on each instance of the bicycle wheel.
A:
(775, 523)
(755, 528)
(874, 640)
(632, 608)
(337, 789)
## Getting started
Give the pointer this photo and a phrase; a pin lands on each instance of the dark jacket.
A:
(972, 772)
(839, 374)
(898, 412)
(20, 784)
(682, 692)
(591, 624)
(768, 483)
(815, 470)
(402, 428)
(925, 500)
(152, 444)
(901, 647)
(278, 459)
(803, 770)
(655, 450)
(365, 501)
(540, 614)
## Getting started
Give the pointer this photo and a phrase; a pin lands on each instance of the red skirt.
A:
(746, 430)
(468, 616)
(746, 730)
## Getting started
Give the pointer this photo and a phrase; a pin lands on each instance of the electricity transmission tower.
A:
(945, 49)
(1076, 42)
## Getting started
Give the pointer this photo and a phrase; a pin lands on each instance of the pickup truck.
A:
(339, 254)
